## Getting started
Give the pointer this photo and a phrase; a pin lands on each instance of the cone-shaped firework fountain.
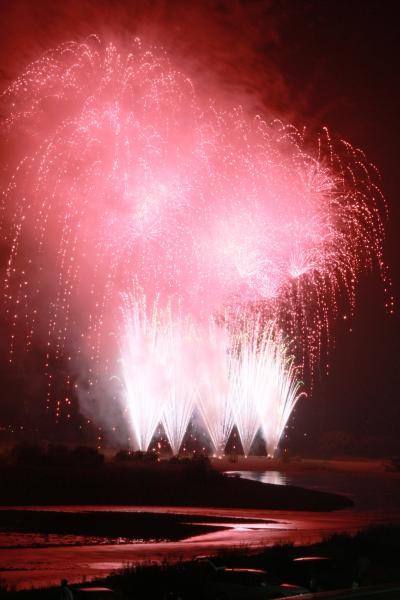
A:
(171, 365)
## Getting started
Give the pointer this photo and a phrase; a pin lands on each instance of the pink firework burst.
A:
(121, 171)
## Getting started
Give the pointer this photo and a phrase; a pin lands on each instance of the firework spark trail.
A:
(181, 392)
(280, 385)
(214, 399)
(264, 383)
(145, 350)
(159, 353)
(126, 171)
(172, 365)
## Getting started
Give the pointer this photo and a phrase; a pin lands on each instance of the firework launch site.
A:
(82, 476)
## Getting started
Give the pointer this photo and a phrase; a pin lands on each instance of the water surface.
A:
(376, 497)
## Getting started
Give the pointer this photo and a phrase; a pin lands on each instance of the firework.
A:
(126, 171)
(145, 352)
(214, 397)
(264, 384)
(241, 377)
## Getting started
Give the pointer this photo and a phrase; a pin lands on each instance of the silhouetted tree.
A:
(85, 456)
(58, 455)
(25, 454)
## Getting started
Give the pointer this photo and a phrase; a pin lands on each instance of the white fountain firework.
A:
(157, 369)
(214, 398)
(264, 385)
(144, 350)
(232, 376)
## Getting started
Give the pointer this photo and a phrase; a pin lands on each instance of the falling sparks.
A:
(127, 172)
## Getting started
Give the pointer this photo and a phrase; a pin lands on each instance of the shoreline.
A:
(162, 484)
(262, 463)
(380, 544)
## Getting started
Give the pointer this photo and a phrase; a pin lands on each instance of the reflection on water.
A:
(376, 497)
(369, 491)
(41, 540)
(275, 477)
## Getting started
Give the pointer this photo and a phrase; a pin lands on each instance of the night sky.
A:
(313, 63)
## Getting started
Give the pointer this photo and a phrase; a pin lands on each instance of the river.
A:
(34, 560)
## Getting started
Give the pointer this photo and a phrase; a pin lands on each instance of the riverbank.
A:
(77, 526)
(162, 484)
(262, 463)
(367, 558)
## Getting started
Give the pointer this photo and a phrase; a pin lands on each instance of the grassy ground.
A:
(371, 557)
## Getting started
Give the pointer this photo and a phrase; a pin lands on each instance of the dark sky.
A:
(315, 62)
(342, 60)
